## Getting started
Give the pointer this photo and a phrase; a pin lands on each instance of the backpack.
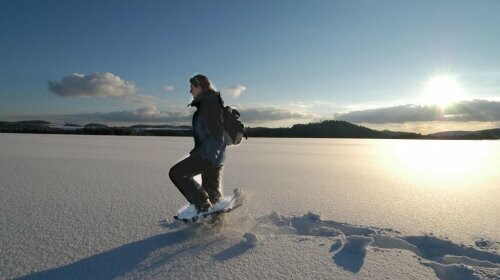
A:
(234, 130)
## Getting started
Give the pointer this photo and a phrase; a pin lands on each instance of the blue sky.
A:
(280, 62)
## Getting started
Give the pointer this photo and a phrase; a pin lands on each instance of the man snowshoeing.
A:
(208, 154)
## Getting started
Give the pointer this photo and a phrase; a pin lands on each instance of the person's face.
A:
(195, 91)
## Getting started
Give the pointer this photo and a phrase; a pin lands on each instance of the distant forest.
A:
(324, 129)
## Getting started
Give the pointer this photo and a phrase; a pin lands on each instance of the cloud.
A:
(148, 111)
(148, 114)
(168, 88)
(266, 114)
(234, 91)
(396, 114)
(95, 84)
(142, 99)
(476, 110)
(462, 111)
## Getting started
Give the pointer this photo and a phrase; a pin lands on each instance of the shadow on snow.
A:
(121, 260)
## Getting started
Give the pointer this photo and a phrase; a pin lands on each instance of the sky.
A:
(421, 66)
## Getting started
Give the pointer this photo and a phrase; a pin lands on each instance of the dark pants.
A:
(182, 174)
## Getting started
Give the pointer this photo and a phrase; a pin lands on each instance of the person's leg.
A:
(182, 174)
(210, 181)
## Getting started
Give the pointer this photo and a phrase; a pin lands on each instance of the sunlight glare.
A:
(443, 162)
(442, 90)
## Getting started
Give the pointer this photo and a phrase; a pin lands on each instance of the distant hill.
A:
(165, 126)
(34, 126)
(399, 133)
(324, 129)
(493, 132)
(25, 123)
(73, 125)
(451, 133)
(93, 129)
(480, 134)
(95, 125)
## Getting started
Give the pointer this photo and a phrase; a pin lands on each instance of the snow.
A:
(187, 212)
(450, 259)
(325, 231)
(101, 207)
(250, 239)
(357, 243)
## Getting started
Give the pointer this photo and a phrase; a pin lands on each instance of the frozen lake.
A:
(115, 189)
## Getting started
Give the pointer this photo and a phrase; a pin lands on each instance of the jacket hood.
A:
(209, 94)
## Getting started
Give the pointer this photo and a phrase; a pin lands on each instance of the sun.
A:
(442, 90)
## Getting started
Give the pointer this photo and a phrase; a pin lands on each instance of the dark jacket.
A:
(208, 130)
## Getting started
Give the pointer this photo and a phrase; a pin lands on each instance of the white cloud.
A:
(142, 99)
(94, 84)
(168, 88)
(234, 91)
(266, 114)
(319, 107)
(146, 114)
(462, 111)
(148, 111)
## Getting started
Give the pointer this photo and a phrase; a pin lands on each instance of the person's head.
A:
(199, 84)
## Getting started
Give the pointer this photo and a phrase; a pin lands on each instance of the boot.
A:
(203, 206)
(214, 196)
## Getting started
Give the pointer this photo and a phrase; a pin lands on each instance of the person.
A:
(208, 154)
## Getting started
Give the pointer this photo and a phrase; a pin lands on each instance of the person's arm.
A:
(211, 112)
